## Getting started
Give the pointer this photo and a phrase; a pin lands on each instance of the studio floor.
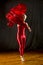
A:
(12, 58)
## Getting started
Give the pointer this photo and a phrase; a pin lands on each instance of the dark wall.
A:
(34, 13)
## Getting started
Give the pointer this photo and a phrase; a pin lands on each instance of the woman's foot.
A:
(22, 58)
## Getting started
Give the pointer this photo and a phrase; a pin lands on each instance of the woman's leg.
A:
(20, 46)
(21, 42)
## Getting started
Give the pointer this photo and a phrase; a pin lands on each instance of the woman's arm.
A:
(26, 24)
(25, 17)
(28, 27)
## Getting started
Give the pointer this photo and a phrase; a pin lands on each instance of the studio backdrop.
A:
(34, 40)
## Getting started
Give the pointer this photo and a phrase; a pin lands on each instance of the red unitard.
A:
(21, 37)
(15, 16)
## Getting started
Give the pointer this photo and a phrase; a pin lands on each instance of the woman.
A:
(17, 16)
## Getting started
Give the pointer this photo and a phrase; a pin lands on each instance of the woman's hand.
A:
(29, 29)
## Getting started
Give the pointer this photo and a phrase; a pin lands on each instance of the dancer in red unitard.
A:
(17, 15)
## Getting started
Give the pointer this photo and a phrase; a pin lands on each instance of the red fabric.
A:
(16, 14)
(20, 9)
(11, 19)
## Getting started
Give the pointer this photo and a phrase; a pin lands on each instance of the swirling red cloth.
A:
(15, 15)
(19, 9)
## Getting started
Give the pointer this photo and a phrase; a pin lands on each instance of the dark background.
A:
(34, 13)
